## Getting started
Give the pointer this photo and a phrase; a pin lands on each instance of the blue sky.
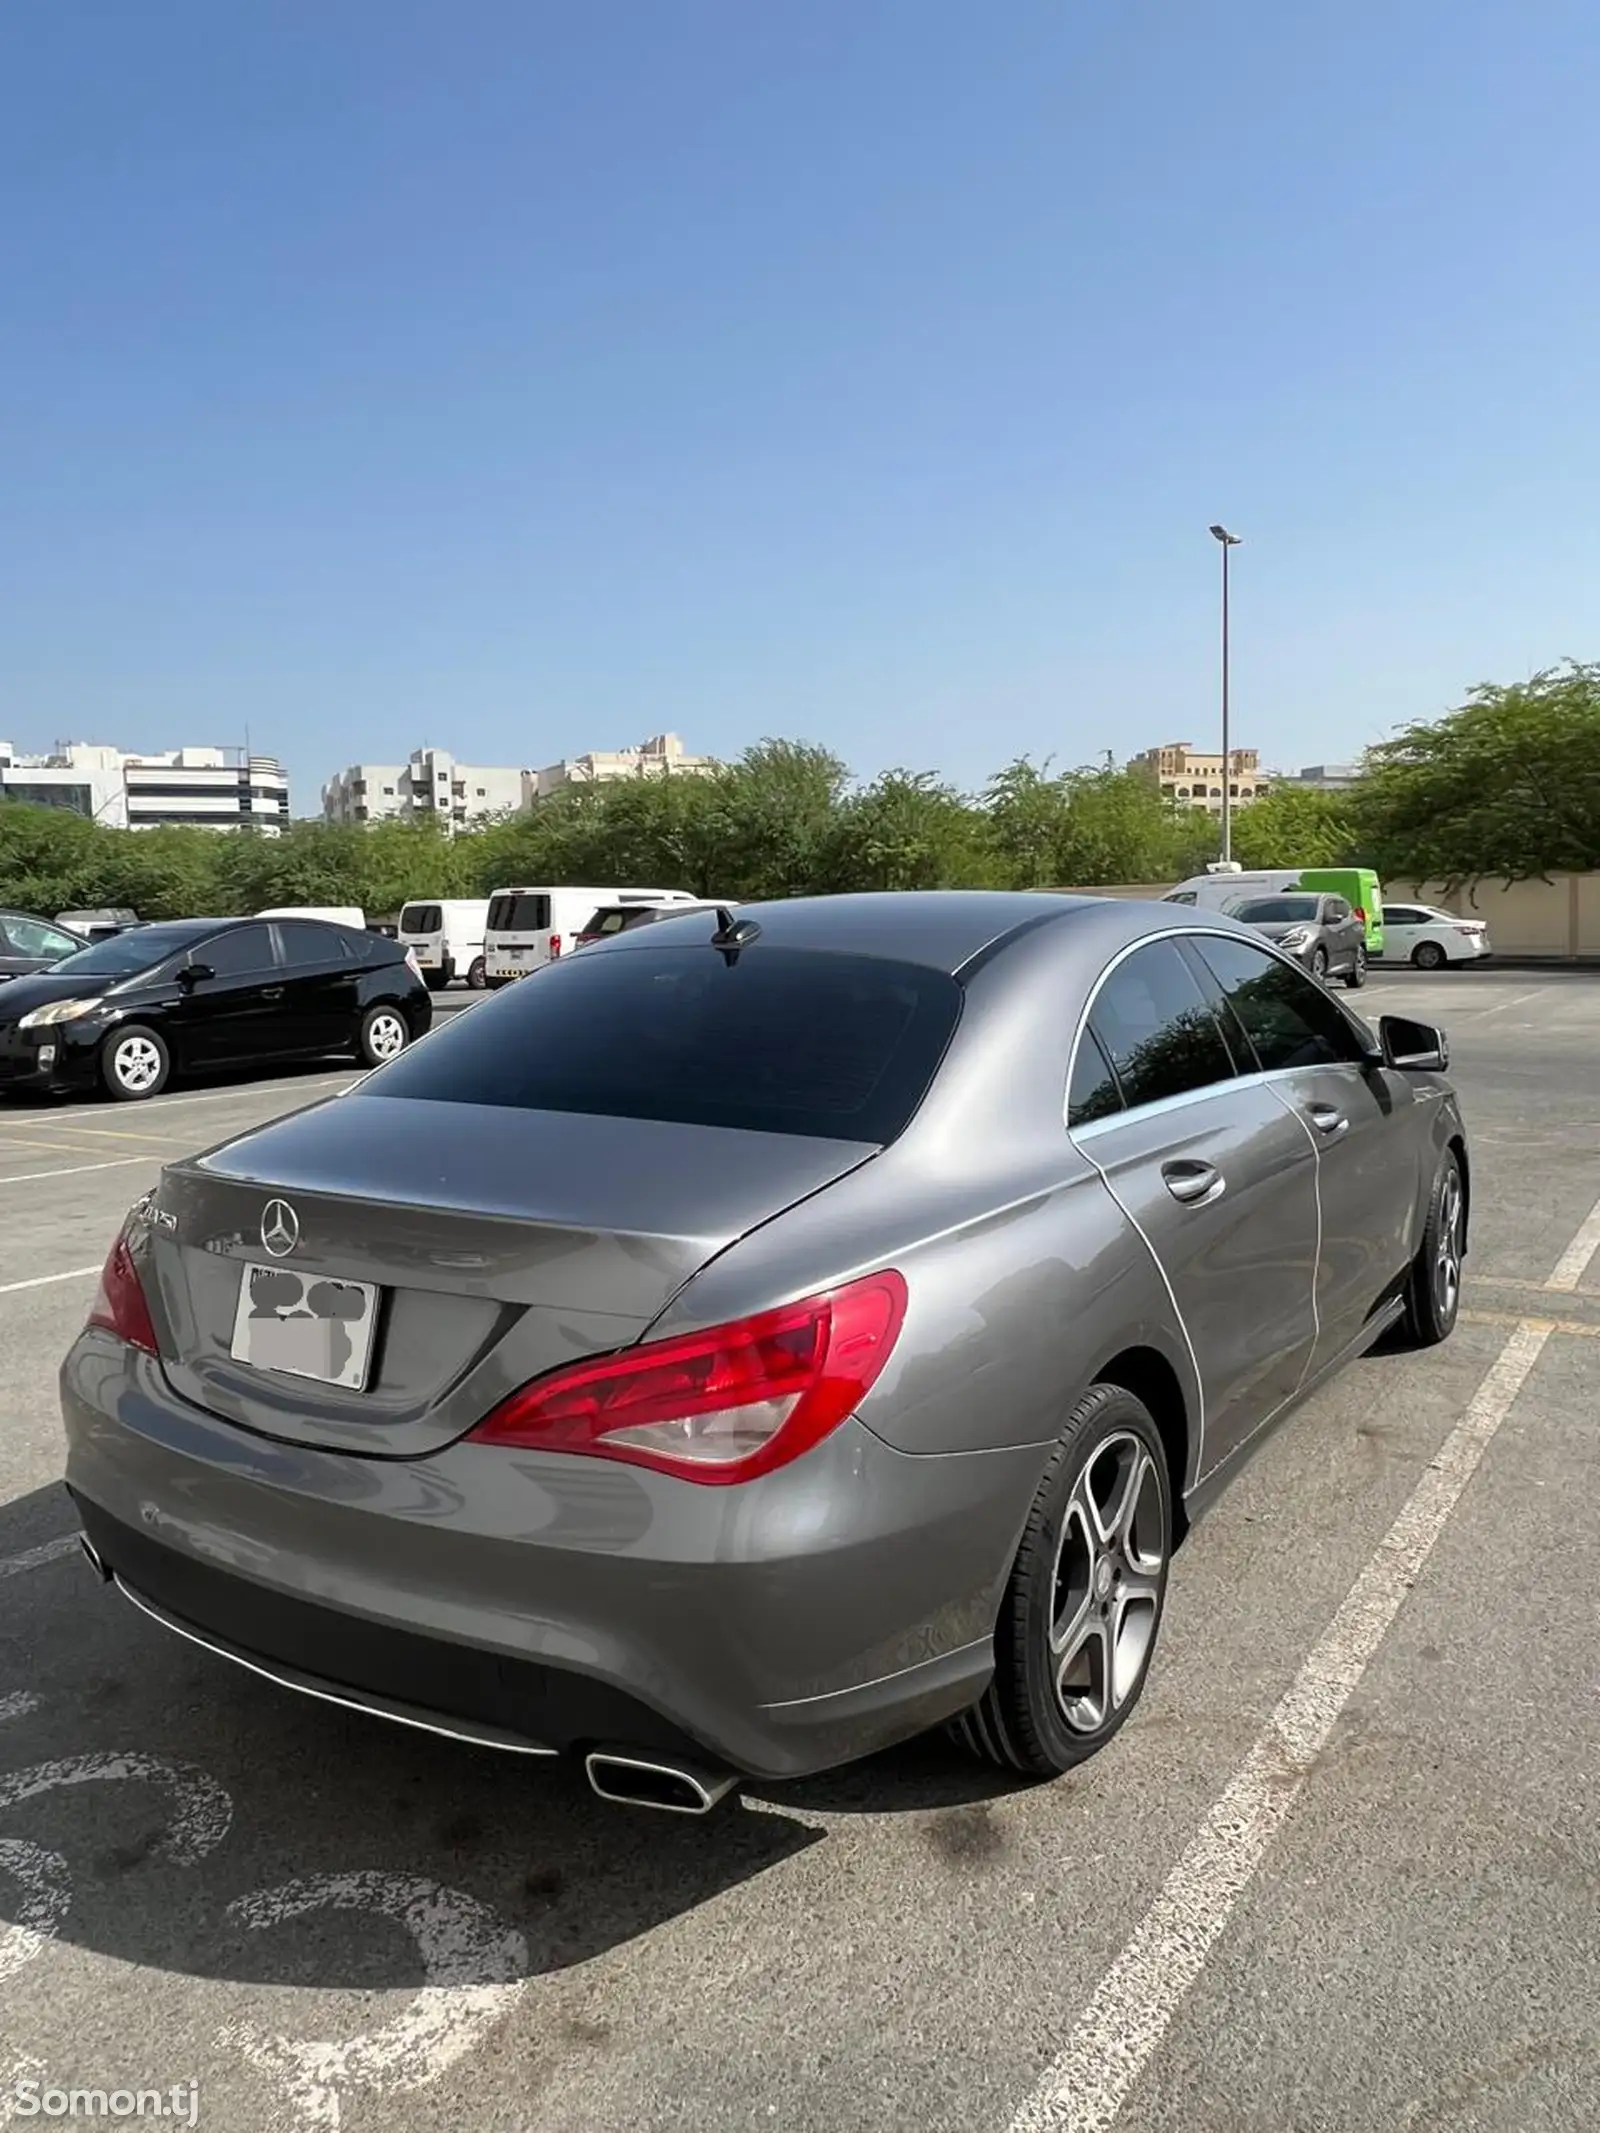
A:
(525, 378)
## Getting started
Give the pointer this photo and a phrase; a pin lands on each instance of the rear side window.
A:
(305, 945)
(1156, 1027)
(519, 914)
(1094, 1092)
(1290, 1020)
(421, 918)
(1179, 896)
(837, 1047)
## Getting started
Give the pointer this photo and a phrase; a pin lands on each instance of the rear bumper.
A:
(545, 1603)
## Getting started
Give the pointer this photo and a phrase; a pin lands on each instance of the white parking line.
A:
(1517, 999)
(64, 1122)
(33, 1558)
(43, 1281)
(1573, 1264)
(1085, 2088)
(75, 1170)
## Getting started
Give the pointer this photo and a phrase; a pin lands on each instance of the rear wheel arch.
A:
(1457, 1146)
(1147, 1374)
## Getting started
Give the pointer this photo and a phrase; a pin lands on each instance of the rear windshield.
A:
(1274, 910)
(619, 918)
(837, 1047)
(421, 918)
(519, 914)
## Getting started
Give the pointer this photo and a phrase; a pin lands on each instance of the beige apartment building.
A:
(662, 756)
(1195, 779)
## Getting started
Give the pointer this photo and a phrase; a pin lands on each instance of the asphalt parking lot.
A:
(1342, 1871)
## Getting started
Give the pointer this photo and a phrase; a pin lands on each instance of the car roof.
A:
(944, 929)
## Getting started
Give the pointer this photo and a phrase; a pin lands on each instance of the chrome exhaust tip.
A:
(642, 1781)
(96, 1561)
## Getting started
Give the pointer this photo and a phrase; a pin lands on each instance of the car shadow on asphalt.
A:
(211, 1825)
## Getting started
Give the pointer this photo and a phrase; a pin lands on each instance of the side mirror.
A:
(194, 974)
(1414, 1045)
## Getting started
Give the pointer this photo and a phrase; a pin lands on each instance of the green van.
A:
(1361, 890)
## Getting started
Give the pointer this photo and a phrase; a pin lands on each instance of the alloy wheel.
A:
(137, 1065)
(1106, 1590)
(386, 1036)
(1447, 1251)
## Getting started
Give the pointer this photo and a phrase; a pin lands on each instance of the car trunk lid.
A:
(502, 1243)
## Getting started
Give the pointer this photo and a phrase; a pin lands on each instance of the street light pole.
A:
(1226, 540)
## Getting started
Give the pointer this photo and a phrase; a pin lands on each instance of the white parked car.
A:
(1430, 938)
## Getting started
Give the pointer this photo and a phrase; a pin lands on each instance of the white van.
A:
(1216, 892)
(528, 928)
(335, 914)
(447, 936)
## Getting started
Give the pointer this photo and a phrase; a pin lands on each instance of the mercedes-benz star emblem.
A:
(280, 1228)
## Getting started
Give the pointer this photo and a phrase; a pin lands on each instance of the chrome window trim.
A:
(1161, 1103)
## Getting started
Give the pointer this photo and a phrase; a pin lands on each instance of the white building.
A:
(222, 788)
(1326, 777)
(661, 756)
(430, 786)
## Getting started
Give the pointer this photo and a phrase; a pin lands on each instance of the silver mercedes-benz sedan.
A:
(765, 1335)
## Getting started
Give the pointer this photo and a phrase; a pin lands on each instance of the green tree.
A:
(1507, 783)
(906, 830)
(1025, 818)
(1119, 827)
(1297, 826)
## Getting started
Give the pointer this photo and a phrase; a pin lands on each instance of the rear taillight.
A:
(119, 1304)
(555, 946)
(1360, 915)
(723, 1405)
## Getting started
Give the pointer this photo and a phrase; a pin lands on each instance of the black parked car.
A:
(1322, 932)
(28, 944)
(128, 1012)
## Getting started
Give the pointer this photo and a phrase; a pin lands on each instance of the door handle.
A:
(1195, 1184)
(272, 992)
(1328, 1119)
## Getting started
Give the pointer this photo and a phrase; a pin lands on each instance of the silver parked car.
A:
(768, 1336)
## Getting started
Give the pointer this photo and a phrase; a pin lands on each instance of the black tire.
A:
(1022, 1723)
(436, 980)
(1356, 976)
(375, 1046)
(1318, 966)
(1433, 1287)
(135, 1063)
(1428, 955)
(477, 975)
(496, 984)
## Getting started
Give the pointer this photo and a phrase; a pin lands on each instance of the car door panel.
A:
(234, 1016)
(1217, 1177)
(1362, 1116)
(321, 988)
(1370, 1146)
(1239, 1259)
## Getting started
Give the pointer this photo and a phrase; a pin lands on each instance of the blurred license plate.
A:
(305, 1324)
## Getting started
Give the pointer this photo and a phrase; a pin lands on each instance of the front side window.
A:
(1156, 1027)
(237, 955)
(1290, 1020)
